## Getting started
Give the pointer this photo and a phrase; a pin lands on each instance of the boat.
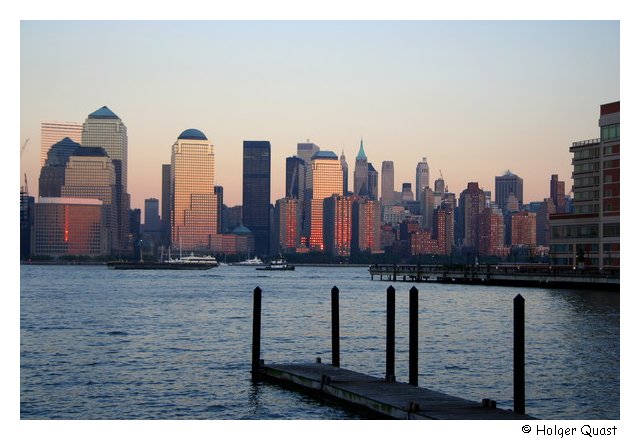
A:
(255, 261)
(277, 264)
(190, 262)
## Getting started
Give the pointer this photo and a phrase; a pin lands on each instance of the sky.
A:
(476, 98)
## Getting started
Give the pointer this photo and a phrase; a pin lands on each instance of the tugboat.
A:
(277, 264)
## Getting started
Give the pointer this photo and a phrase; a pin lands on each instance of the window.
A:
(611, 230)
(610, 132)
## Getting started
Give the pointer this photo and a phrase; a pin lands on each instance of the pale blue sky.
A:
(474, 97)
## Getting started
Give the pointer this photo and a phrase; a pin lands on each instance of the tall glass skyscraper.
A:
(105, 129)
(192, 197)
(422, 178)
(508, 184)
(256, 192)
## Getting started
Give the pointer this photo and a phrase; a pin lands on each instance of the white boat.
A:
(255, 261)
(277, 264)
(193, 259)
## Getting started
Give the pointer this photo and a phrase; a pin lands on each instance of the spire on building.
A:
(361, 155)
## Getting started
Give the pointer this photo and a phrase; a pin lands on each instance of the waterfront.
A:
(104, 344)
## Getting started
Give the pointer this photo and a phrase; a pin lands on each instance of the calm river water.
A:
(97, 343)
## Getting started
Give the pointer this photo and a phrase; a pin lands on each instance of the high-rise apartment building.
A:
(523, 229)
(324, 179)
(192, 198)
(472, 204)
(427, 205)
(287, 221)
(53, 132)
(337, 225)
(386, 196)
(557, 195)
(590, 236)
(490, 232)
(422, 178)
(256, 192)
(506, 185)
(105, 129)
(366, 225)
(361, 173)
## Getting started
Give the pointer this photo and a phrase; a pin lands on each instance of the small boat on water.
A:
(277, 264)
(255, 261)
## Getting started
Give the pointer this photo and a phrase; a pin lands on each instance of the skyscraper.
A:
(422, 178)
(105, 129)
(324, 179)
(166, 204)
(386, 196)
(52, 132)
(366, 225)
(337, 225)
(54, 168)
(193, 201)
(507, 184)
(372, 182)
(407, 194)
(256, 192)
(287, 223)
(523, 229)
(556, 193)
(152, 215)
(345, 173)
(472, 204)
(361, 173)
(294, 177)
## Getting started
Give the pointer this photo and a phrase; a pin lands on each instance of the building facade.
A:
(287, 220)
(52, 132)
(589, 237)
(386, 183)
(523, 229)
(192, 197)
(422, 178)
(508, 184)
(256, 192)
(337, 225)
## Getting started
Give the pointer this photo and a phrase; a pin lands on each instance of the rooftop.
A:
(192, 134)
(103, 113)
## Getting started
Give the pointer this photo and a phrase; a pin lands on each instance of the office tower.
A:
(372, 182)
(590, 236)
(152, 217)
(542, 222)
(422, 178)
(386, 196)
(337, 225)
(490, 232)
(287, 224)
(70, 226)
(166, 205)
(256, 192)
(219, 192)
(366, 225)
(105, 129)
(324, 179)
(556, 193)
(523, 229)
(407, 194)
(27, 208)
(306, 150)
(361, 173)
(472, 203)
(439, 186)
(52, 172)
(90, 174)
(508, 184)
(53, 132)
(427, 205)
(294, 177)
(193, 201)
(345, 173)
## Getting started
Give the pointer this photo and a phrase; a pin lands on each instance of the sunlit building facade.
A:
(523, 229)
(366, 225)
(70, 226)
(287, 215)
(324, 179)
(337, 225)
(104, 129)
(193, 201)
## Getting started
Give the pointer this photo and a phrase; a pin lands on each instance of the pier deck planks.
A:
(375, 395)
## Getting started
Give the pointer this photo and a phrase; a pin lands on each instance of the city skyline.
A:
(540, 89)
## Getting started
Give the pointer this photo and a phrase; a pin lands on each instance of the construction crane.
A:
(23, 147)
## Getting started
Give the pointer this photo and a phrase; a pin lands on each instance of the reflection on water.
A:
(104, 344)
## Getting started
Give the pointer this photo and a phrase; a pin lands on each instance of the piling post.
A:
(391, 334)
(518, 354)
(255, 348)
(413, 336)
(335, 327)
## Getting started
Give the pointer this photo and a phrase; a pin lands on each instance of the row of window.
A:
(610, 132)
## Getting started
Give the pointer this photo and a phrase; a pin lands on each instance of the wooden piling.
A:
(518, 354)
(391, 334)
(335, 327)
(413, 336)
(255, 346)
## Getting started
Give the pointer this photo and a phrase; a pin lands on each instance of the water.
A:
(97, 343)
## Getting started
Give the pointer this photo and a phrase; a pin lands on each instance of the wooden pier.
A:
(384, 398)
(520, 275)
